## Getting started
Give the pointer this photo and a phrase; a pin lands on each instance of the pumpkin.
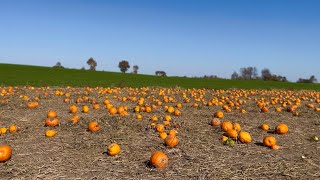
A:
(148, 109)
(171, 141)
(223, 138)
(51, 114)
(265, 127)
(215, 122)
(159, 160)
(96, 106)
(85, 109)
(113, 149)
(163, 135)
(244, 137)
(139, 116)
(226, 125)
(177, 112)
(275, 147)
(269, 141)
(50, 133)
(236, 126)
(160, 128)
(75, 119)
(3, 130)
(170, 109)
(52, 122)
(13, 128)
(219, 115)
(173, 132)
(167, 118)
(264, 109)
(5, 153)
(93, 126)
(282, 129)
(113, 110)
(231, 133)
(73, 109)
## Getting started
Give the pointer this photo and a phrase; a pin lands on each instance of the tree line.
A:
(245, 73)
(123, 66)
(251, 73)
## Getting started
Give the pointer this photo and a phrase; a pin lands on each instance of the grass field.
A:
(13, 75)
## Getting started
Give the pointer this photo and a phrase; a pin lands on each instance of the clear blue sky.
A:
(181, 37)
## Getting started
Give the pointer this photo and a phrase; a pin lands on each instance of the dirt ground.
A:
(75, 153)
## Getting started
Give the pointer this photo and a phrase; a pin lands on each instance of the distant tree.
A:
(249, 73)
(92, 63)
(312, 79)
(161, 73)
(83, 68)
(135, 69)
(234, 75)
(58, 65)
(266, 74)
(124, 66)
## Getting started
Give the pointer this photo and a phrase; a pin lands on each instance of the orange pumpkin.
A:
(51, 114)
(50, 133)
(85, 109)
(5, 153)
(244, 137)
(52, 122)
(282, 129)
(264, 109)
(226, 125)
(219, 114)
(171, 141)
(93, 126)
(231, 133)
(75, 119)
(113, 110)
(163, 135)
(236, 126)
(269, 141)
(173, 132)
(160, 128)
(265, 127)
(13, 128)
(159, 160)
(73, 109)
(113, 149)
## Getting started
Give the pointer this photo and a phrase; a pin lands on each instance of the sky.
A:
(180, 37)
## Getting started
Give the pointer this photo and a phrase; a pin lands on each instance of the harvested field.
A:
(76, 153)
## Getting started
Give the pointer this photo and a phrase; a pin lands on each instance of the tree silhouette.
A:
(135, 69)
(92, 63)
(266, 74)
(124, 66)
(235, 75)
(160, 73)
(58, 65)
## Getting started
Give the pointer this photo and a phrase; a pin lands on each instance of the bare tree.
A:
(234, 75)
(124, 66)
(266, 74)
(92, 63)
(135, 69)
(249, 73)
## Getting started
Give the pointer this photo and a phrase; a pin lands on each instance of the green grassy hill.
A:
(17, 75)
